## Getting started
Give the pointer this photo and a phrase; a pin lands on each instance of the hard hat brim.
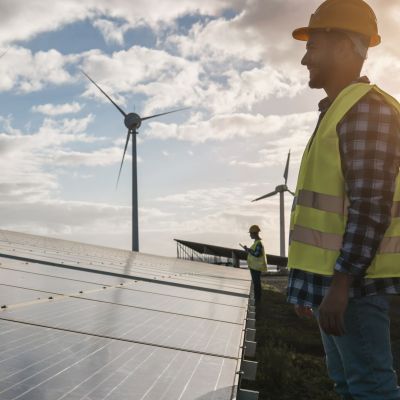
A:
(303, 34)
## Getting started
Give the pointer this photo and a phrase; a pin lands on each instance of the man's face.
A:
(319, 59)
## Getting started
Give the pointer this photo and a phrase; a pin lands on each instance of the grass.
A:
(290, 353)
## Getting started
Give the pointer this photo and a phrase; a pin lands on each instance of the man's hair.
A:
(360, 42)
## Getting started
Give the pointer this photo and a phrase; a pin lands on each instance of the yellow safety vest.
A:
(319, 212)
(257, 263)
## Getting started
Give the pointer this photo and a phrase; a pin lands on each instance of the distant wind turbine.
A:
(132, 121)
(281, 189)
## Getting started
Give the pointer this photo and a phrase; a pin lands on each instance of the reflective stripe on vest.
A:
(319, 213)
(257, 263)
(324, 202)
(331, 241)
(335, 204)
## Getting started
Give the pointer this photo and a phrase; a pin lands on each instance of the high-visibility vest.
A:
(319, 212)
(257, 263)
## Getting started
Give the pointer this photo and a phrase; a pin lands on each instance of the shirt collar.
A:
(325, 103)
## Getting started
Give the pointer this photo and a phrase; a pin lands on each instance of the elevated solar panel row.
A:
(87, 322)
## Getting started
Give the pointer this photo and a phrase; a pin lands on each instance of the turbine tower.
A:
(281, 189)
(132, 121)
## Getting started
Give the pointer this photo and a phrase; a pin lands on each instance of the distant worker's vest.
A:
(257, 263)
(319, 213)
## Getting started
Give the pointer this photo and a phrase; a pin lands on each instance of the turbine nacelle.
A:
(281, 188)
(132, 121)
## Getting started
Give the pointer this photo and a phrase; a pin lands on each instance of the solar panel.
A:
(59, 252)
(87, 322)
(50, 364)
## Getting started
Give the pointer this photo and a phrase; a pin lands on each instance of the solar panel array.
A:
(88, 322)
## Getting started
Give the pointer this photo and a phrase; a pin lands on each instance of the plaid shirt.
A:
(369, 142)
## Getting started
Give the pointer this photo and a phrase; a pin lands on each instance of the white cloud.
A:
(102, 157)
(111, 31)
(26, 72)
(141, 70)
(169, 82)
(20, 22)
(57, 109)
(202, 219)
(247, 164)
(24, 157)
(66, 219)
(229, 126)
(66, 129)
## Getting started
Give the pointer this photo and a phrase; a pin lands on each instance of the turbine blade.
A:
(293, 194)
(286, 173)
(165, 113)
(105, 94)
(265, 196)
(4, 53)
(123, 156)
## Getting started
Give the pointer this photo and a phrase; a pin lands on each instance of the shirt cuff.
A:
(349, 268)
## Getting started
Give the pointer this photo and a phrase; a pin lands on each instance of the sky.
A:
(233, 62)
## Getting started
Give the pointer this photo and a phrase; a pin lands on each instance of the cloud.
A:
(111, 31)
(230, 126)
(247, 164)
(206, 198)
(260, 31)
(57, 109)
(26, 72)
(102, 157)
(202, 219)
(46, 15)
(71, 220)
(66, 129)
(25, 156)
(141, 70)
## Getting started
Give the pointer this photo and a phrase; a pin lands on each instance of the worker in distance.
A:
(256, 260)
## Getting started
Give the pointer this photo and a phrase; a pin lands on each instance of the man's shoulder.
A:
(378, 97)
(376, 105)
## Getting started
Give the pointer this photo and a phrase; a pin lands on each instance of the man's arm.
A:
(369, 146)
(257, 251)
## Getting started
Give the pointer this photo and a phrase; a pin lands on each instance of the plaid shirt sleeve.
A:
(369, 140)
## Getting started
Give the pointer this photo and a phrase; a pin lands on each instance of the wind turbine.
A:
(281, 189)
(132, 121)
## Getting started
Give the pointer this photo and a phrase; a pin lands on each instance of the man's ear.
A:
(344, 49)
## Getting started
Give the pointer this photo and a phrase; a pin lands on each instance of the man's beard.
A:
(321, 75)
(318, 80)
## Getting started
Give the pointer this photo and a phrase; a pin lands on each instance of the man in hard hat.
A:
(344, 253)
(256, 260)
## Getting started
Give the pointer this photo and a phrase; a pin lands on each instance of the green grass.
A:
(290, 352)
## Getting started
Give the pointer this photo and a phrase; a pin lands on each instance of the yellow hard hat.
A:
(348, 15)
(254, 229)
